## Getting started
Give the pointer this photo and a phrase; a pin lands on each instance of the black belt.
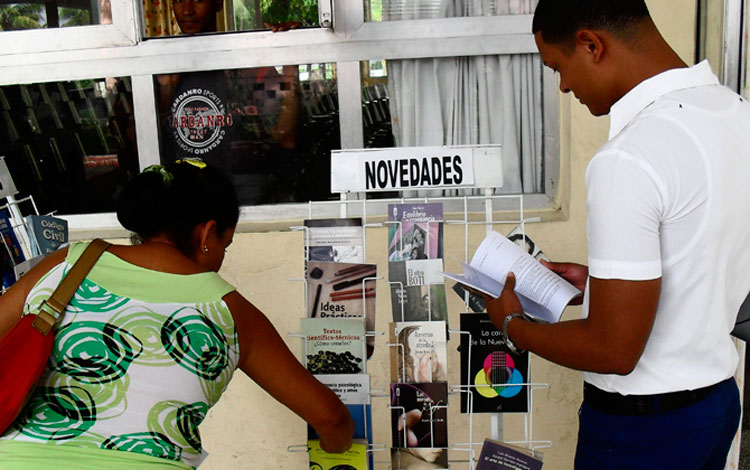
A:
(634, 405)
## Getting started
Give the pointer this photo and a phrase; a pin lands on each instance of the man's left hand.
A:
(504, 305)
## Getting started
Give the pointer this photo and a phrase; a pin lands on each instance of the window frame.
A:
(352, 40)
(123, 31)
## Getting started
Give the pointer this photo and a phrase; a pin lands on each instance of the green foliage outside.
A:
(21, 16)
(274, 12)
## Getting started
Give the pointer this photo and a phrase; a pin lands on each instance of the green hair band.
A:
(166, 176)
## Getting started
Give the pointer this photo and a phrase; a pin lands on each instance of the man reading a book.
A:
(660, 294)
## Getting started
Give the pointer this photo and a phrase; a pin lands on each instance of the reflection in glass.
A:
(394, 10)
(54, 14)
(271, 129)
(177, 17)
(481, 100)
(71, 145)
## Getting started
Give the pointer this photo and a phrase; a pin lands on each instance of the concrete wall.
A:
(250, 430)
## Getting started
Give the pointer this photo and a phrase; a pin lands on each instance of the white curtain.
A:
(470, 100)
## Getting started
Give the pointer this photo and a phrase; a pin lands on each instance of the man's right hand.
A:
(574, 273)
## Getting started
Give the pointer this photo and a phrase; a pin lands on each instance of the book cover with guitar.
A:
(493, 378)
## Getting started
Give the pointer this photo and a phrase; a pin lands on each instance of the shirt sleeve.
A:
(624, 203)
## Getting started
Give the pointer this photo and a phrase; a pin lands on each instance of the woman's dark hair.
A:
(560, 20)
(174, 199)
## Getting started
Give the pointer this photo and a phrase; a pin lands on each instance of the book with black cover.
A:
(491, 375)
(419, 415)
(500, 456)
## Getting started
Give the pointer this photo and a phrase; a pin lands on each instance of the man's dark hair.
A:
(560, 20)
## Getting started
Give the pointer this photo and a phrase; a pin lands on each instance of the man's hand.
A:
(574, 273)
(504, 305)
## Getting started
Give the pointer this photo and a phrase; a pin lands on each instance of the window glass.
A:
(54, 14)
(271, 129)
(479, 100)
(185, 17)
(70, 145)
(394, 10)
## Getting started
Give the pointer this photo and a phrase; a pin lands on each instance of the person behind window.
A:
(245, 122)
(661, 295)
(152, 339)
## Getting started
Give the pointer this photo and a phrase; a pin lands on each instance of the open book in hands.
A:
(543, 294)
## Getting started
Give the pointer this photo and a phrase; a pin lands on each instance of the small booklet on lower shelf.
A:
(499, 456)
(353, 459)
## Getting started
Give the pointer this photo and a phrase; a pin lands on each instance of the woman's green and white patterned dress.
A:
(139, 358)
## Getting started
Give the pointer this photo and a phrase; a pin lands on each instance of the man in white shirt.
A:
(667, 197)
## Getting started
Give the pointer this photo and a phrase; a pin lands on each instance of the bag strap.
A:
(59, 299)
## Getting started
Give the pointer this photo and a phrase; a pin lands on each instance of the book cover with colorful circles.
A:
(493, 379)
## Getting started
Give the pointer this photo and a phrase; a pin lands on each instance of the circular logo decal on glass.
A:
(199, 119)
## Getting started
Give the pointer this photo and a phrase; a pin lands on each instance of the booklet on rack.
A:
(543, 294)
(353, 459)
(333, 345)
(418, 351)
(354, 392)
(494, 380)
(419, 458)
(417, 290)
(415, 231)
(419, 414)
(500, 456)
(342, 290)
(340, 240)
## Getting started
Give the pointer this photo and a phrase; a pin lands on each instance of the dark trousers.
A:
(695, 437)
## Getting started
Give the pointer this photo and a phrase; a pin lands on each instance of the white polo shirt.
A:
(669, 196)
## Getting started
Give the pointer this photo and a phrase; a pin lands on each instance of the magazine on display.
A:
(12, 252)
(418, 351)
(499, 456)
(543, 294)
(47, 233)
(493, 379)
(419, 415)
(353, 459)
(354, 392)
(417, 290)
(419, 458)
(415, 231)
(339, 240)
(342, 290)
(333, 345)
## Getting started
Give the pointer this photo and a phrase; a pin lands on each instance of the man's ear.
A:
(592, 42)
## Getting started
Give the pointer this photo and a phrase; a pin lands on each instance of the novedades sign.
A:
(415, 167)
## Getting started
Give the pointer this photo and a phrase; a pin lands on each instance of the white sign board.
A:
(7, 186)
(406, 168)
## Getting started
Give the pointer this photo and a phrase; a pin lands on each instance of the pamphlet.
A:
(543, 294)
(500, 456)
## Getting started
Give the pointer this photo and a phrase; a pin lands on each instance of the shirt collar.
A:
(649, 90)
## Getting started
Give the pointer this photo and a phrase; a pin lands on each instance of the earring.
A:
(205, 248)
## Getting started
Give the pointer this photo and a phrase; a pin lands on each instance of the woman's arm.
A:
(266, 359)
(12, 301)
